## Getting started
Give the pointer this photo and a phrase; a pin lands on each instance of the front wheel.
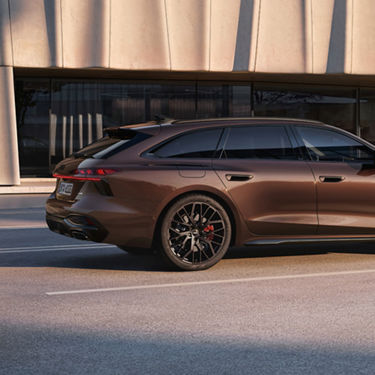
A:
(195, 233)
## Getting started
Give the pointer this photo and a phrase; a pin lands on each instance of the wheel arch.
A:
(230, 211)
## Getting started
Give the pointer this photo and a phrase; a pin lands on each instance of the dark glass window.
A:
(198, 144)
(223, 100)
(175, 100)
(33, 126)
(122, 144)
(329, 145)
(56, 117)
(367, 114)
(259, 142)
(110, 145)
(82, 109)
(330, 105)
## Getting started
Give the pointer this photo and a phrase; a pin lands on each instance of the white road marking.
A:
(54, 246)
(213, 282)
(28, 226)
(16, 211)
(31, 249)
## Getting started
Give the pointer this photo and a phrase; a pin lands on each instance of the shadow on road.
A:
(299, 250)
(114, 259)
(57, 349)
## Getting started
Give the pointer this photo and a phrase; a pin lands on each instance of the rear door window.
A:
(196, 144)
(259, 142)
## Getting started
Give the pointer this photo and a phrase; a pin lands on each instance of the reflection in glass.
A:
(56, 117)
(32, 111)
(334, 106)
(367, 114)
(223, 100)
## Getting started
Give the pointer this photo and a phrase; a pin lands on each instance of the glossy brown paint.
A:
(281, 199)
(347, 204)
(278, 199)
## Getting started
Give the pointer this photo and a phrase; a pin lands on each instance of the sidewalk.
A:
(30, 186)
(22, 211)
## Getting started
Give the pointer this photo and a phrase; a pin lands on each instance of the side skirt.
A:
(282, 241)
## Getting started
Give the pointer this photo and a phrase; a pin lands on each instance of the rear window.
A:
(111, 145)
(197, 144)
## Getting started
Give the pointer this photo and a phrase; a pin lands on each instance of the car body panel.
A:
(140, 193)
(278, 199)
(345, 206)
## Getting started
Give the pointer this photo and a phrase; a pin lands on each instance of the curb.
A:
(31, 186)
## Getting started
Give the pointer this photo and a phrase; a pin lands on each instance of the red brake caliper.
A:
(209, 229)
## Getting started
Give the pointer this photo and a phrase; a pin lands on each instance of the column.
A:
(9, 163)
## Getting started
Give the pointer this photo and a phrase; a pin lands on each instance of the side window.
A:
(198, 144)
(329, 145)
(259, 142)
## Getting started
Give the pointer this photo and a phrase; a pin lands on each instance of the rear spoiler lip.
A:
(119, 132)
(123, 132)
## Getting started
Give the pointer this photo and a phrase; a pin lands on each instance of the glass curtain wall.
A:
(33, 103)
(60, 116)
(56, 117)
(367, 114)
(223, 100)
(331, 105)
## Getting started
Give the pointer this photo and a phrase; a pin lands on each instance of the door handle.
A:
(238, 177)
(331, 178)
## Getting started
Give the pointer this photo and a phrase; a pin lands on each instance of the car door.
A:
(345, 180)
(268, 180)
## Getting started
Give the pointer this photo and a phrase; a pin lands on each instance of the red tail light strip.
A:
(88, 174)
(77, 177)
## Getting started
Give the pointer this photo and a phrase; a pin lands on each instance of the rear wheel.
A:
(195, 233)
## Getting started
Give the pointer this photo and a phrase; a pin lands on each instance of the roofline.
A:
(241, 119)
(168, 121)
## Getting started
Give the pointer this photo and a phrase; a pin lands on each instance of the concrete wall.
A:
(261, 36)
(9, 174)
(268, 36)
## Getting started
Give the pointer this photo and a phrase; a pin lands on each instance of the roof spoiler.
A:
(162, 119)
(119, 132)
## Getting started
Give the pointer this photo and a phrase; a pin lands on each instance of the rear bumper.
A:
(110, 221)
(77, 226)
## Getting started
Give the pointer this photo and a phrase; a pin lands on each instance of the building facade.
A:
(70, 68)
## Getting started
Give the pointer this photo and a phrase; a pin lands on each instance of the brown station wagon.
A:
(193, 188)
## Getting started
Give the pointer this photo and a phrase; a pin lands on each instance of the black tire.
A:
(136, 251)
(195, 233)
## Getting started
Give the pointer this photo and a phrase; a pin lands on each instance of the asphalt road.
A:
(73, 307)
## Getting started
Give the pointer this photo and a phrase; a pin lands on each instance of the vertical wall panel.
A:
(225, 35)
(9, 164)
(308, 43)
(85, 28)
(322, 16)
(5, 35)
(364, 37)
(281, 39)
(36, 32)
(293, 36)
(348, 58)
(332, 36)
(189, 31)
(139, 35)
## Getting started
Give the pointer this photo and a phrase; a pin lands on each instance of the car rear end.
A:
(82, 205)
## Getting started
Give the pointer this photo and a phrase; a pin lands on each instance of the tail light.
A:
(88, 174)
